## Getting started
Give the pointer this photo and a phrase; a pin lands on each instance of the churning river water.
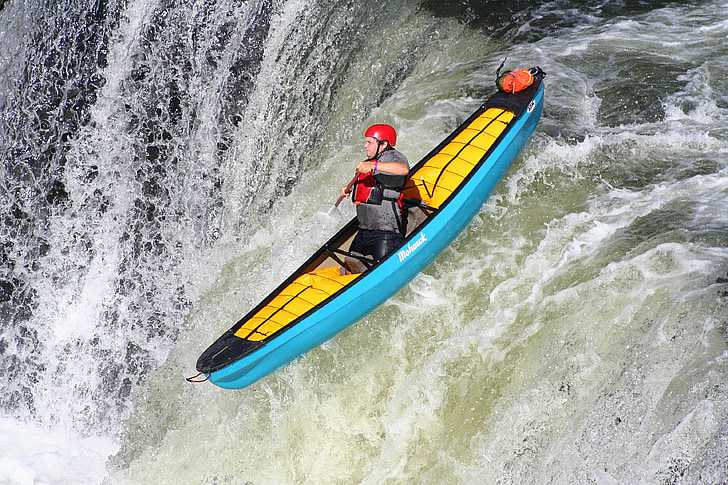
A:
(165, 164)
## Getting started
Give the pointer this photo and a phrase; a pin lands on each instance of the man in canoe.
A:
(377, 194)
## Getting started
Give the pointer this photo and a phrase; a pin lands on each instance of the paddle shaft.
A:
(353, 180)
(348, 188)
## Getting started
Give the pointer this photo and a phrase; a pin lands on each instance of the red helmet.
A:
(382, 132)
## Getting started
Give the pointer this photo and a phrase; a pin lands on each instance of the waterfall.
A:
(165, 164)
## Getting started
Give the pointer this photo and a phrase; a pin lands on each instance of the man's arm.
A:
(391, 168)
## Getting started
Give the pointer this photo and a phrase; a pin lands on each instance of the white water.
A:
(575, 332)
(35, 455)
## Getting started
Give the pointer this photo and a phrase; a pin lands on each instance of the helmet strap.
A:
(379, 146)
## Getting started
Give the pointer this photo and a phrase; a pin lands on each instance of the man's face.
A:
(370, 146)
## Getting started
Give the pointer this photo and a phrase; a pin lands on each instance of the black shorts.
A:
(377, 244)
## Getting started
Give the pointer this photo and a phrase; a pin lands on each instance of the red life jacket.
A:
(363, 187)
(369, 188)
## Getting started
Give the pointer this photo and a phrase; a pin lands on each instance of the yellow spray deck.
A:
(306, 291)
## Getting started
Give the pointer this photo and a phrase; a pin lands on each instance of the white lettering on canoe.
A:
(404, 253)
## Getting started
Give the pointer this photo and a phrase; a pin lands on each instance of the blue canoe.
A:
(444, 191)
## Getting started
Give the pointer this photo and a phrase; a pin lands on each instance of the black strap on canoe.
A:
(427, 209)
(334, 251)
(398, 217)
(424, 185)
(333, 256)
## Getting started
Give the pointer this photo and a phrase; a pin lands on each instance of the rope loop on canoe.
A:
(497, 72)
(194, 379)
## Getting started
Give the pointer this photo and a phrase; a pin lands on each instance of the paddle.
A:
(348, 188)
(353, 181)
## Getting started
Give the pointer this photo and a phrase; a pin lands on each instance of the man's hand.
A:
(365, 167)
(345, 190)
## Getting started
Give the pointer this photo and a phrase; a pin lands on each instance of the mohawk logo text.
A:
(404, 254)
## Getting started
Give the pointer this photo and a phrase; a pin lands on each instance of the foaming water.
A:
(35, 455)
(580, 303)
(575, 331)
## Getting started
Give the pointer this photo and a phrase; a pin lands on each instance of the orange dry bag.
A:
(515, 81)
